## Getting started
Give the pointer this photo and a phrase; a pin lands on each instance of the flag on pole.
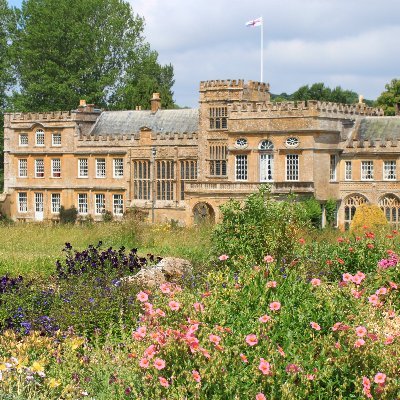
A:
(255, 22)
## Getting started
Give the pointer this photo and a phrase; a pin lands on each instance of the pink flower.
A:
(275, 306)
(264, 366)
(223, 257)
(302, 241)
(214, 339)
(150, 351)
(347, 277)
(268, 259)
(160, 312)
(144, 363)
(315, 326)
(165, 288)
(359, 343)
(281, 352)
(380, 378)
(163, 382)
(260, 396)
(251, 340)
(389, 339)
(159, 364)
(196, 376)
(381, 290)
(271, 284)
(198, 307)
(315, 282)
(393, 285)
(356, 279)
(174, 305)
(140, 333)
(337, 346)
(265, 318)
(366, 383)
(356, 293)
(336, 326)
(292, 368)
(142, 297)
(310, 377)
(374, 299)
(243, 357)
(361, 331)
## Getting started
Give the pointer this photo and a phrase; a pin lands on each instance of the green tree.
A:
(388, 99)
(92, 49)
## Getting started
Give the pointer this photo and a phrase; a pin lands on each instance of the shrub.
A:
(368, 215)
(107, 216)
(313, 211)
(330, 211)
(68, 215)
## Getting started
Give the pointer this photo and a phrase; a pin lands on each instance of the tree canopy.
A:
(388, 99)
(93, 50)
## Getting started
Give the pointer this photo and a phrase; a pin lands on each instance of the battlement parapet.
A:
(41, 116)
(307, 108)
(178, 136)
(234, 84)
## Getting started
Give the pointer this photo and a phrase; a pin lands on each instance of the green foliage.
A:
(313, 211)
(259, 227)
(107, 216)
(92, 49)
(388, 99)
(368, 215)
(330, 211)
(68, 215)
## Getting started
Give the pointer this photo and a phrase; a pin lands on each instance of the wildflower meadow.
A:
(316, 319)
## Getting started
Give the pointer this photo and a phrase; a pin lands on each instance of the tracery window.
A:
(390, 206)
(218, 117)
(188, 174)
(141, 180)
(165, 171)
(350, 208)
(218, 160)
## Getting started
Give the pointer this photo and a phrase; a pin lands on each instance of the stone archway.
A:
(350, 206)
(390, 205)
(203, 212)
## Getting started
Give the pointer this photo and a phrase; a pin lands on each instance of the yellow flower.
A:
(53, 383)
(37, 367)
(76, 342)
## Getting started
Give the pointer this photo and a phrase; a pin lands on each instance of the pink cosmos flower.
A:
(142, 297)
(144, 363)
(260, 396)
(196, 376)
(380, 378)
(359, 343)
(271, 284)
(264, 366)
(265, 318)
(275, 306)
(199, 307)
(315, 326)
(214, 339)
(251, 340)
(165, 288)
(315, 282)
(159, 364)
(163, 382)
(174, 305)
(268, 259)
(361, 331)
(223, 257)
(347, 277)
(243, 357)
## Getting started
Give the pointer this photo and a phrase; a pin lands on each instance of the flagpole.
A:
(262, 47)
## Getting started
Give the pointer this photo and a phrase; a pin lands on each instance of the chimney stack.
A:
(155, 102)
(82, 103)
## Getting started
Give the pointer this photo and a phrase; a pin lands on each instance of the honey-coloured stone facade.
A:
(183, 164)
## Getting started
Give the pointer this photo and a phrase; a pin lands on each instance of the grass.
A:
(32, 249)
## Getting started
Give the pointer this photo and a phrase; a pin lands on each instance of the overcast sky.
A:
(351, 43)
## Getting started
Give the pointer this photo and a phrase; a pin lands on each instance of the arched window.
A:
(266, 161)
(390, 206)
(350, 206)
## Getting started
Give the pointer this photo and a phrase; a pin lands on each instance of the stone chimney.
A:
(155, 102)
(360, 99)
(82, 103)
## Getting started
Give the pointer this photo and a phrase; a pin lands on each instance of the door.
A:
(266, 167)
(39, 207)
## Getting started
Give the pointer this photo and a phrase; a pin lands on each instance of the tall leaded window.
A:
(118, 205)
(218, 160)
(23, 168)
(266, 161)
(118, 167)
(39, 137)
(218, 118)
(141, 180)
(56, 139)
(23, 139)
(367, 170)
(100, 167)
(165, 171)
(188, 174)
(241, 167)
(83, 169)
(56, 168)
(55, 202)
(348, 171)
(389, 170)
(100, 203)
(39, 168)
(23, 202)
(292, 167)
(82, 203)
(332, 167)
(390, 206)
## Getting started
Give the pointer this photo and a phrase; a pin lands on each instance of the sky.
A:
(350, 43)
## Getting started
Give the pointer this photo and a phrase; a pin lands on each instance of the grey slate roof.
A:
(129, 122)
(379, 128)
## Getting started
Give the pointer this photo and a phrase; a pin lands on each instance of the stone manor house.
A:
(182, 164)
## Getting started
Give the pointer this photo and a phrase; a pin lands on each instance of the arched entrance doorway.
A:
(203, 212)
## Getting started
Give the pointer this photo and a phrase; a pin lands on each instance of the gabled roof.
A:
(379, 128)
(130, 122)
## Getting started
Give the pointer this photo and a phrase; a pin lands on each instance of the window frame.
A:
(118, 168)
(23, 135)
(40, 133)
(57, 203)
(54, 173)
(348, 170)
(53, 136)
(22, 202)
(333, 162)
(101, 168)
(387, 172)
(367, 174)
(22, 168)
(83, 168)
(39, 168)
(118, 203)
(98, 210)
(82, 204)
(294, 167)
(241, 168)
